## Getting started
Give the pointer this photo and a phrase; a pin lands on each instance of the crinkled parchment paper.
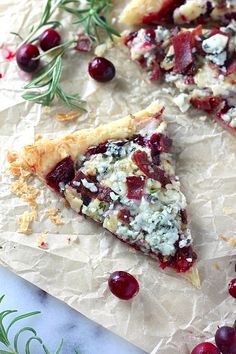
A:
(169, 313)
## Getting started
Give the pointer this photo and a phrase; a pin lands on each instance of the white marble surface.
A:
(57, 321)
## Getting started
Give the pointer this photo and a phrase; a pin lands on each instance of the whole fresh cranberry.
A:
(225, 339)
(205, 348)
(101, 69)
(49, 39)
(25, 57)
(123, 285)
(232, 288)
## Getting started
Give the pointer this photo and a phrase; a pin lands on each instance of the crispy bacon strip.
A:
(182, 44)
(140, 158)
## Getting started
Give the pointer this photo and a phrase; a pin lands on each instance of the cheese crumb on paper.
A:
(25, 220)
(55, 216)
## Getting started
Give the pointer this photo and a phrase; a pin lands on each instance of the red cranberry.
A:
(49, 39)
(150, 35)
(205, 348)
(232, 288)
(25, 57)
(225, 339)
(123, 285)
(101, 69)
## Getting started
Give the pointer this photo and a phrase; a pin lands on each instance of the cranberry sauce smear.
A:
(63, 172)
(135, 187)
(180, 261)
(102, 193)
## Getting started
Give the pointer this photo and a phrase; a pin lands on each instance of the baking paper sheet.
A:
(168, 314)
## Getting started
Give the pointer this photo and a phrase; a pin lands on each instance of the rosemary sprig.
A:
(92, 17)
(49, 78)
(50, 7)
(12, 348)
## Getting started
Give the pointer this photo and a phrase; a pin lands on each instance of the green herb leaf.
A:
(92, 17)
(4, 334)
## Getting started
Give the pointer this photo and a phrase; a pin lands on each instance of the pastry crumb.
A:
(25, 220)
(216, 266)
(64, 117)
(227, 211)
(41, 241)
(24, 191)
(230, 240)
(55, 216)
(37, 137)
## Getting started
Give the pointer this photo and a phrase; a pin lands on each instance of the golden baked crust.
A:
(41, 157)
(134, 12)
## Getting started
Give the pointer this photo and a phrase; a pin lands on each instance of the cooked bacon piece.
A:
(102, 192)
(164, 14)
(63, 172)
(84, 43)
(182, 44)
(208, 103)
(135, 186)
(140, 158)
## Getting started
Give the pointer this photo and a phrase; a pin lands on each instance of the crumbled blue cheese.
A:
(230, 117)
(182, 101)
(162, 34)
(218, 59)
(215, 44)
(89, 186)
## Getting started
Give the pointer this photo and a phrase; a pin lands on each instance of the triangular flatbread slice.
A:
(122, 175)
(199, 62)
(178, 12)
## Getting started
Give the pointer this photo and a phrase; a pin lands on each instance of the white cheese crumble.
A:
(230, 117)
(218, 59)
(215, 44)
(162, 34)
(182, 101)
(88, 185)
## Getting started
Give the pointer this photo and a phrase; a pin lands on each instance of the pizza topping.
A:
(149, 168)
(63, 172)
(215, 46)
(135, 186)
(208, 103)
(124, 215)
(230, 117)
(182, 44)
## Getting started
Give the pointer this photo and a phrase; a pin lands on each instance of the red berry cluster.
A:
(26, 54)
(225, 337)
